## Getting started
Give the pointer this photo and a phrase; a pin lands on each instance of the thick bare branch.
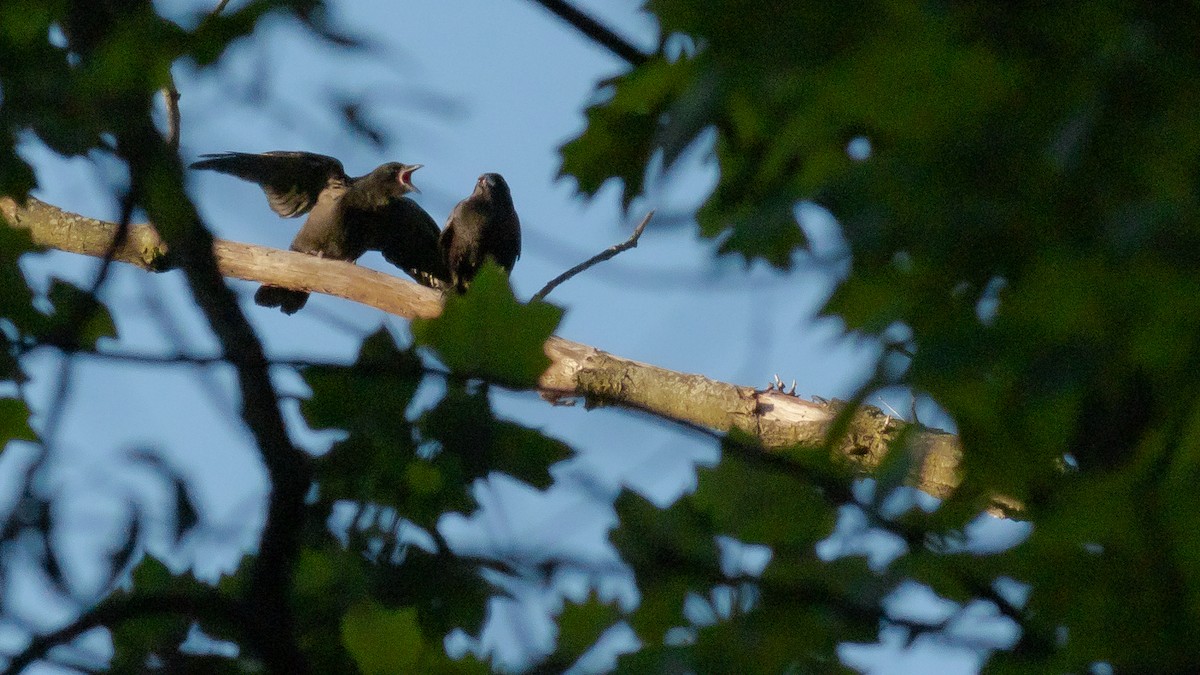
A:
(776, 418)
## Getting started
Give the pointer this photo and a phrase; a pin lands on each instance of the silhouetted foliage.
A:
(1018, 185)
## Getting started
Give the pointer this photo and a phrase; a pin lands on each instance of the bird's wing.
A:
(447, 235)
(409, 239)
(517, 232)
(291, 180)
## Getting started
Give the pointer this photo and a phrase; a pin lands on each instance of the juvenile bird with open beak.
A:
(346, 216)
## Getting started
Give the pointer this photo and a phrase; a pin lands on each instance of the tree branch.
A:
(777, 419)
(157, 186)
(210, 606)
(170, 97)
(595, 31)
(606, 254)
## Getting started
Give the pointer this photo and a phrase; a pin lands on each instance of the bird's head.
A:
(404, 176)
(491, 186)
(397, 177)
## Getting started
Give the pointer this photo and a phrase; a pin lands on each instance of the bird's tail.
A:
(284, 298)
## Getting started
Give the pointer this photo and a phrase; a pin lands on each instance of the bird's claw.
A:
(778, 385)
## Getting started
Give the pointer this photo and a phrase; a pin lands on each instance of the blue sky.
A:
(463, 87)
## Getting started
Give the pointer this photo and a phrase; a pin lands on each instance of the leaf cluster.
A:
(1025, 223)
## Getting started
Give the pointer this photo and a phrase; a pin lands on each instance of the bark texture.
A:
(777, 419)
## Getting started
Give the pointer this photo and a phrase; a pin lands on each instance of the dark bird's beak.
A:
(405, 177)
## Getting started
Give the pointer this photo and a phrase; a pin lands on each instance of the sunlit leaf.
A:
(382, 641)
(487, 333)
(385, 641)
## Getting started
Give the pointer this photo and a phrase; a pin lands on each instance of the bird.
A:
(483, 225)
(412, 246)
(347, 216)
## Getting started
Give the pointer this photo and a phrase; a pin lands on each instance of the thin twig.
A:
(170, 97)
(596, 31)
(78, 316)
(600, 257)
(175, 359)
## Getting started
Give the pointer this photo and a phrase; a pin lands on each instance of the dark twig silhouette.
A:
(600, 257)
(596, 31)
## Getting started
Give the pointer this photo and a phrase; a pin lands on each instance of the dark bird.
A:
(347, 216)
(481, 226)
(407, 237)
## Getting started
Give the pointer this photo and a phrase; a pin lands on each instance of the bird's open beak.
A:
(406, 177)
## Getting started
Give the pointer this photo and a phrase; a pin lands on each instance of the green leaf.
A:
(769, 231)
(216, 32)
(753, 208)
(137, 638)
(16, 300)
(142, 635)
(799, 637)
(386, 641)
(369, 397)
(378, 462)
(486, 333)
(458, 599)
(420, 489)
(151, 576)
(763, 504)
(648, 535)
(581, 624)
(328, 580)
(672, 552)
(79, 319)
(625, 131)
(872, 301)
(382, 641)
(23, 23)
(324, 573)
(14, 421)
(895, 470)
(468, 431)
(236, 583)
(16, 177)
(525, 453)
